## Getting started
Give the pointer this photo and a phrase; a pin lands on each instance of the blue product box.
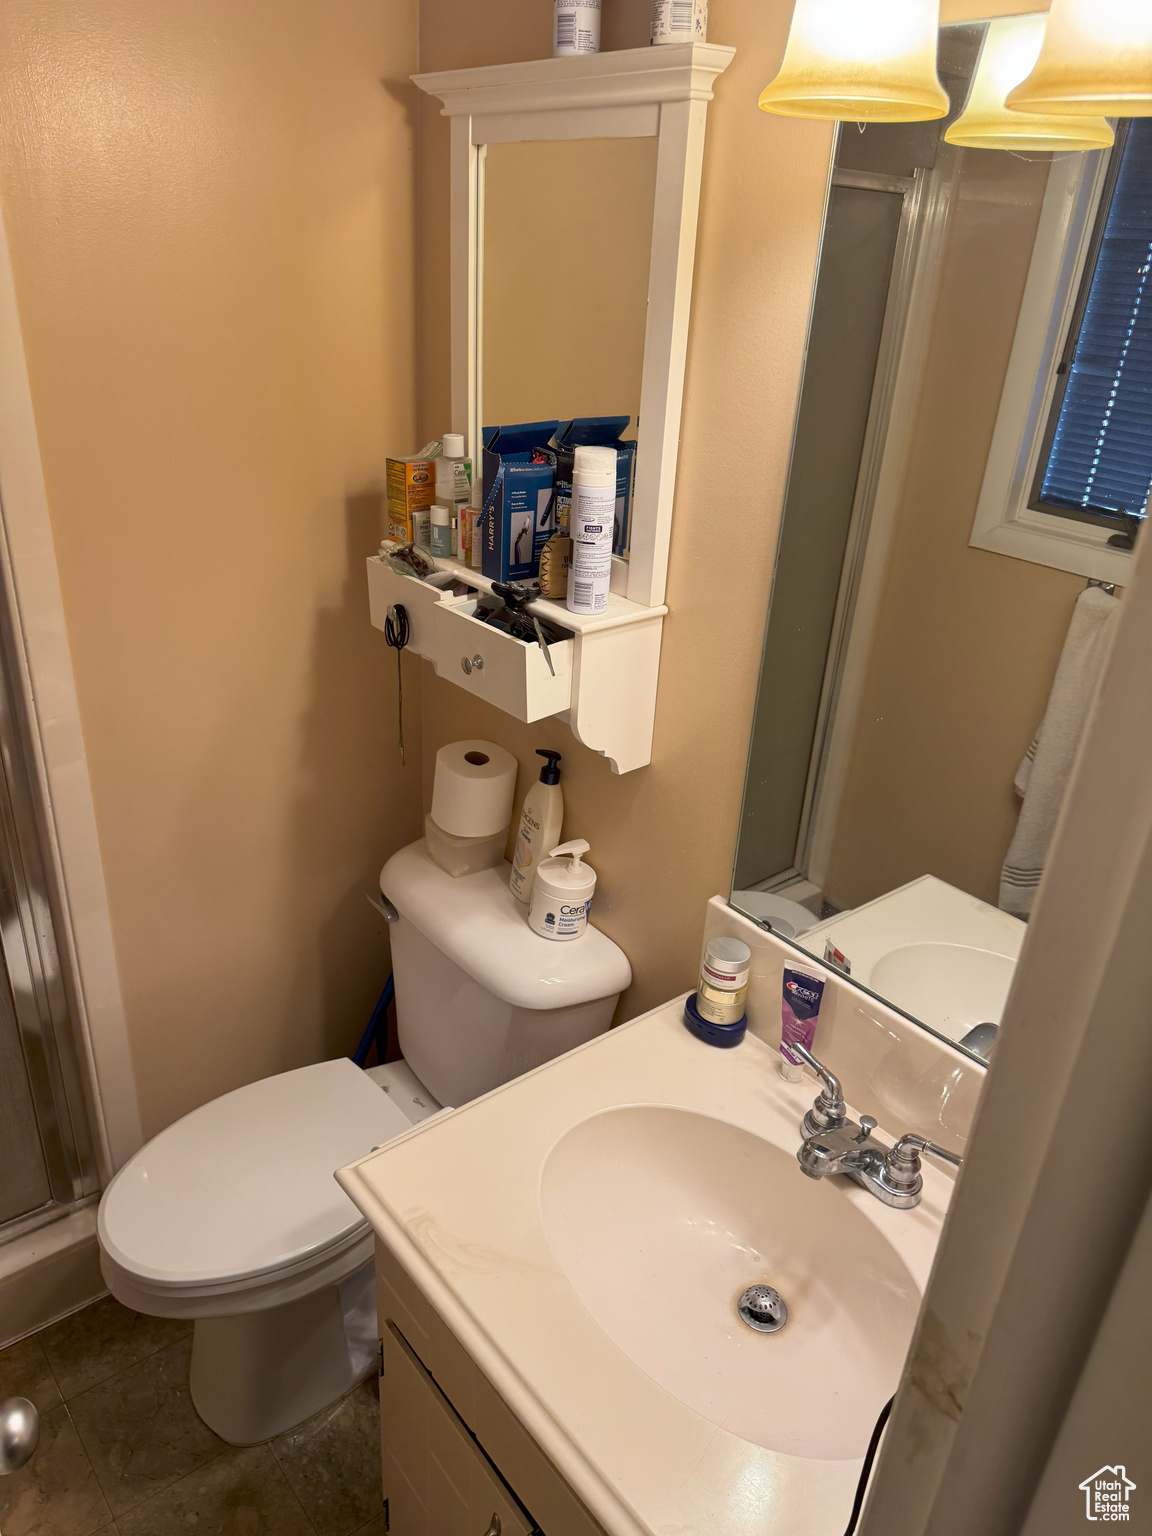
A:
(519, 483)
(601, 432)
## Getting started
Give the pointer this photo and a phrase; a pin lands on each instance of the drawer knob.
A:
(470, 664)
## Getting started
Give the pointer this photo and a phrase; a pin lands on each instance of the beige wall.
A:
(967, 643)
(663, 837)
(210, 212)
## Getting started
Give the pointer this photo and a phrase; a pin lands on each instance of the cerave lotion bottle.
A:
(454, 491)
(541, 817)
(563, 893)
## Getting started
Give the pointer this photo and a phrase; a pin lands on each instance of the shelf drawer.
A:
(487, 662)
(496, 666)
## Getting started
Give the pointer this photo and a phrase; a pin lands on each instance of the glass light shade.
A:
(1096, 60)
(860, 61)
(1011, 48)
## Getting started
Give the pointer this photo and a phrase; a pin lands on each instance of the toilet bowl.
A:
(232, 1217)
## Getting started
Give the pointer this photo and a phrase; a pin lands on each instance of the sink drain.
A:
(762, 1308)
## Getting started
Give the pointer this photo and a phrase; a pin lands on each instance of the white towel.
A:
(1043, 776)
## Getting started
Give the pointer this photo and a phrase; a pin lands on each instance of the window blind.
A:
(1101, 454)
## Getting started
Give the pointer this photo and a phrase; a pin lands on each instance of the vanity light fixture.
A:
(1009, 53)
(866, 61)
(1096, 61)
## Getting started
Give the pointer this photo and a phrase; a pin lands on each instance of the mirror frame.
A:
(660, 93)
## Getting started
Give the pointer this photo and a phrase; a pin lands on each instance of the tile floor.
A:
(123, 1452)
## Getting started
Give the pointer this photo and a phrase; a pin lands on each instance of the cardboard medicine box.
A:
(519, 504)
(411, 487)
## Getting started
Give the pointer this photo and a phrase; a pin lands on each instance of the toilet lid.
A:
(244, 1185)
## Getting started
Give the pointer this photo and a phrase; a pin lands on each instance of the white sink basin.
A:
(953, 987)
(941, 955)
(660, 1217)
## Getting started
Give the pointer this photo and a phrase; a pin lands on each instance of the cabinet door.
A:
(438, 1480)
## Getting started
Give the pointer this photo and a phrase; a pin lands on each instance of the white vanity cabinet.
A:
(454, 1453)
(439, 1481)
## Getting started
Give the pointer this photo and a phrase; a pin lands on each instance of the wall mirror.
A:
(567, 239)
(972, 459)
(575, 194)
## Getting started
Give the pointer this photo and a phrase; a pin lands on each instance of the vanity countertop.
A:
(458, 1201)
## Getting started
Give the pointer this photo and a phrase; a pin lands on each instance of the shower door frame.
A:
(34, 973)
(55, 917)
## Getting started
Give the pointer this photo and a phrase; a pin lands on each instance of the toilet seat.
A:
(234, 1208)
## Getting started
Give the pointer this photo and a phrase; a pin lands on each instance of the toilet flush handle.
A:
(385, 908)
(494, 1528)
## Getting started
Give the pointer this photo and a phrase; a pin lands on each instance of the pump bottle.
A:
(563, 893)
(541, 818)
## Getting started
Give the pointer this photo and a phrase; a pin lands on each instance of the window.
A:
(1095, 461)
(1070, 462)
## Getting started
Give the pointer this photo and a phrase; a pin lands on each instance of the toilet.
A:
(231, 1217)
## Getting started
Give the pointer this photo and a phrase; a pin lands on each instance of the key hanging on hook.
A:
(397, 632)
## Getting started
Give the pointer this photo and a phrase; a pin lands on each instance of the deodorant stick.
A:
(592, 523)
(577, 27)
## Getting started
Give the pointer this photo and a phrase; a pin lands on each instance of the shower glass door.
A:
(24, 1182)
(46, 1154)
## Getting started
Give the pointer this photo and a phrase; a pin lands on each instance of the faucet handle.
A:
(902, 1164)
(829, 1112)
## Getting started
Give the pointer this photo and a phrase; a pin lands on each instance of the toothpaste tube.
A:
(799, 1014)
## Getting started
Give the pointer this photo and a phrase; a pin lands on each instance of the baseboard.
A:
(49, 1273)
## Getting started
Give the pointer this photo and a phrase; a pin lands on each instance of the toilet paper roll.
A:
(474, 788)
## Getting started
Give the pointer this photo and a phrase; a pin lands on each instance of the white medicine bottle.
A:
(440, 531)
(679, 21)
(591, 528)
(454, 487)
(577, 27)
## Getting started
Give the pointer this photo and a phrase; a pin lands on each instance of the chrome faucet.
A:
(835, 1144)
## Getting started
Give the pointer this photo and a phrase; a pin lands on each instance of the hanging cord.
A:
(397, 632)
(866, 1469)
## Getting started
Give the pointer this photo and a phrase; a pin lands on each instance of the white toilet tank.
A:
(480, 998)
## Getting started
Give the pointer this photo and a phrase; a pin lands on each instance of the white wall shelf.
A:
(661, 93)
(604, 680)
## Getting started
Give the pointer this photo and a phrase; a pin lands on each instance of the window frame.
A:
(1007, 520)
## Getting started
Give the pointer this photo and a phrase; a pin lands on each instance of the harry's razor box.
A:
(600, 432)
(518, 482)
